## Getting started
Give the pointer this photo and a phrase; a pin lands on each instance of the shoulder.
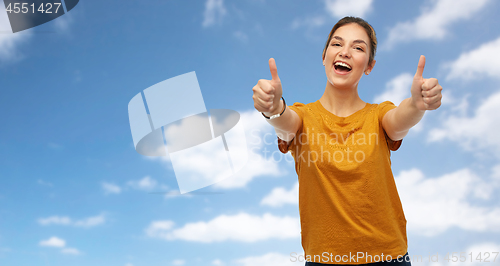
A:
(386, 104)
(300, 105)
(301, 109)
(383, 105)
(382, 108)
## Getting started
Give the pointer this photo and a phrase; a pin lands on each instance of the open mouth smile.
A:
(342, 68)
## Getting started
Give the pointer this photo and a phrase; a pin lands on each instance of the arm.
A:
(425, 95)
(267, 99)
(287, 124)
(398, 121)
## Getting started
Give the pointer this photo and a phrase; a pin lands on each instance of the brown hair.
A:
(361, 22)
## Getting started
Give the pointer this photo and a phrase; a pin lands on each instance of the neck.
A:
(341, 102)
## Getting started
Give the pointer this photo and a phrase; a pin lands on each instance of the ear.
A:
(370, 67)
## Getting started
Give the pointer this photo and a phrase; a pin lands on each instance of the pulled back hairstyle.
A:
(361, 22)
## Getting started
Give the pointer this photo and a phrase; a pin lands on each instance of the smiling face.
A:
(347, 56)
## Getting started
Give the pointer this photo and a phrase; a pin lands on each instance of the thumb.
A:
(274, 70)
(420, 67)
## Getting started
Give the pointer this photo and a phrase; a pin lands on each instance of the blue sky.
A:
(73, 190)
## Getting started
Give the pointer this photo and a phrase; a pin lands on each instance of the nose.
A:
(345, 52)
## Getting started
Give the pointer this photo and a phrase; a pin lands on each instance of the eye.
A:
(335, 44)
(360, 49)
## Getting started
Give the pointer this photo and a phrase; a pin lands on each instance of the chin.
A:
(335, 82)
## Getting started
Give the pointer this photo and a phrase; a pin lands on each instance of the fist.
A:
(425, 93)
(267, 93)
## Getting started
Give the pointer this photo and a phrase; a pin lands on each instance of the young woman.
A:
(350, 211)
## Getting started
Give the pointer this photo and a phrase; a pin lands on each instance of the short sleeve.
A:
(283, 146)
(383, 109)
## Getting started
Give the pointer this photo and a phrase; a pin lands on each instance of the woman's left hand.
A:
(425, 93)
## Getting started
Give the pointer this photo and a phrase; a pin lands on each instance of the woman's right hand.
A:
(267, 93)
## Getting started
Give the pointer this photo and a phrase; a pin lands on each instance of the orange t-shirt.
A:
(350, 211)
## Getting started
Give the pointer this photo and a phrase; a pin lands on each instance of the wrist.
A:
(278, 111)
(412, 103)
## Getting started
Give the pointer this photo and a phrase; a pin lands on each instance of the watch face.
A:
(275, 116)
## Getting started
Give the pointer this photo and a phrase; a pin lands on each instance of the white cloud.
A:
(256, 166)
(146, 183)
(91, 221)
(258, 134)
(178, 262)
(269, 259)
(241, 227)
(341, 8)
(71, 251)
(64, 220)
(478, 132)
(53, 242)
(476, 64)
(110, 188)
(452, 101)
(434, 21)
(241, 36)
(44, 183)
(217, 262)
(260, 161)
(396, 90)
(208, 162)
(280, 196)
(214, 12)
(9, 42)
(55, 146)
(334, 8)
(496, 172)
(484, 247)
(55, 220)
(433, 205)
(63, 23)
(309, 22)
(59, 243)
(157, 227)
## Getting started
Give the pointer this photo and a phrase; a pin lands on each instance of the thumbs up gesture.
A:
(425, 93)
(267, 93)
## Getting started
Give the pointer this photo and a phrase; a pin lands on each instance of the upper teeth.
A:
(342, 64)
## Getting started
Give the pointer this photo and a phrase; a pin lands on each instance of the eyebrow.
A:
(355, 41)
